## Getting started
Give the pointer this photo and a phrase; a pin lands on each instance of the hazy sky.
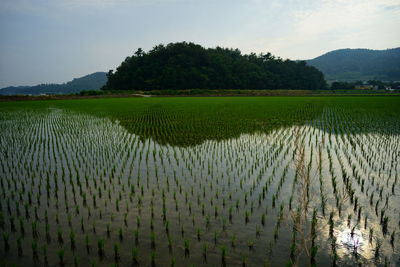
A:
(44, 41)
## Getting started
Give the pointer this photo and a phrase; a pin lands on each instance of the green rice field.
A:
(201, 181)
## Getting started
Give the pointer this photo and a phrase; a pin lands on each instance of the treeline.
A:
(185, 65)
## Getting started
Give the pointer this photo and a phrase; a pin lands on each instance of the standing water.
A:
(79, 189)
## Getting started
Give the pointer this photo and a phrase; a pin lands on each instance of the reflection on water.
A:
(175, 122)
(252, 196)
(352, 241)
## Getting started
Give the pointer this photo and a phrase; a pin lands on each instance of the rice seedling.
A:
(136, 233)
(244, 260)
(250, 244)
(153, 240)
(153, 258)
(205, 252)
(198, 234)
(392, 239)
(45, 258)
(187, 248)
(72, 239)
(120, 234)
(87, 243)
(60, 254)
(116, 253)
(100, 247)
(19, 246)
(6, 241)
(223, 255)
(377, 249)
(34, 249)
(135, 255)
(108, 230)
(60, 236)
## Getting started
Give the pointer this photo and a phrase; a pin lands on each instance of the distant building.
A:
(364, 87)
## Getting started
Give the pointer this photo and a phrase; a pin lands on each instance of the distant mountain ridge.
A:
(359, 64)
(88, 82)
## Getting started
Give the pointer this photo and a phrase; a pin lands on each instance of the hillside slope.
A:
(190, 66)
(88, 82)
(359, 64)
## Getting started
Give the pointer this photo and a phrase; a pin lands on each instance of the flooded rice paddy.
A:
(82, 190)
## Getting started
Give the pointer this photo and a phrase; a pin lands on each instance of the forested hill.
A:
(359, 64)
(89, 82)
(191, 66)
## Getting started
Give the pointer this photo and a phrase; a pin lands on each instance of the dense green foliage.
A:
(359, 64)
(88, 82)
(190, 66)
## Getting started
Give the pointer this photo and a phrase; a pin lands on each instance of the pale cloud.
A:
(338, 24)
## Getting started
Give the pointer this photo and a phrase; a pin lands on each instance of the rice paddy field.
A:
(224, 181)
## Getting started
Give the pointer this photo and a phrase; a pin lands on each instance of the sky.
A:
(54, 41)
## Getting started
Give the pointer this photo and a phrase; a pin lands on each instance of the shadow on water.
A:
(190, 121)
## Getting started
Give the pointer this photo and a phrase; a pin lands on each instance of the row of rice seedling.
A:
(78, 188)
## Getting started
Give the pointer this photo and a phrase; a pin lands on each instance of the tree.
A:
(191, 66)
